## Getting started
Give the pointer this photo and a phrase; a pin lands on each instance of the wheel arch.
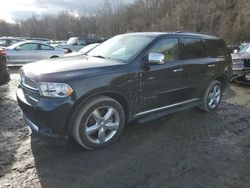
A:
(221, 79)
(54, 56)
(112, 94)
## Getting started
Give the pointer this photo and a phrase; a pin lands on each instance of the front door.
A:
(163, 84)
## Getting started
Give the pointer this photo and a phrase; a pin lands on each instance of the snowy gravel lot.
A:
(186, 149)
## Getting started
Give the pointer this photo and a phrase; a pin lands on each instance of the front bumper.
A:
(45, 116)
(43, 132)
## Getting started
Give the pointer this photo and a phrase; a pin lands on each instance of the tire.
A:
(98, 123)
(212, 97)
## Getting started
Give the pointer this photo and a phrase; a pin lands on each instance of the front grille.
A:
(29, 83)
(247, 63)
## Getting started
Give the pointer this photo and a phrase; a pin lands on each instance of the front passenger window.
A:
(168, 47)
(29, 46)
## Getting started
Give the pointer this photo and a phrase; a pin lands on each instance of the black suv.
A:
(128, 77)
(4, 71)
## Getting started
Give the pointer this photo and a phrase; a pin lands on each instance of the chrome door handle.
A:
(211, 65)
(178, 70)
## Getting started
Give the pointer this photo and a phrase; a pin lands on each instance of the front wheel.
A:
(98, 123)
(212, 97)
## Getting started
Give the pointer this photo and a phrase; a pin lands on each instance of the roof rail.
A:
(181, 31)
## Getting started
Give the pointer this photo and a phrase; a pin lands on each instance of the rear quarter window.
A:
(216, 48)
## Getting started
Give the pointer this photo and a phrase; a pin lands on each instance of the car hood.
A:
(244, 55)
(67, 67)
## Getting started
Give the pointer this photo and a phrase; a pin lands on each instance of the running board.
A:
(168, 111)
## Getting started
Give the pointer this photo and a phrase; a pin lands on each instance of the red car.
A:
(4, 70)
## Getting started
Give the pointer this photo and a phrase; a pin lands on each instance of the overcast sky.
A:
(11, 10)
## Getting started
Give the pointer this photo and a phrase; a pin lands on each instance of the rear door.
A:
(45, 52)
(163, 84)
(196, 65)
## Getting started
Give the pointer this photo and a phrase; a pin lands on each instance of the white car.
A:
(30, 51)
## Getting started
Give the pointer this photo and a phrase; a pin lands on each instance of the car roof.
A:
(179, 33)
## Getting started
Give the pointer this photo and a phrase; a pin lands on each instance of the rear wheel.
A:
(98, 123)
(212, 97)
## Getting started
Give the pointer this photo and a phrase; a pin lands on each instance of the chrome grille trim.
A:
(29, 83)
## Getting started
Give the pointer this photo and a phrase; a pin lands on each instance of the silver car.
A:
(30, 51)
(241, 65)
(7, 41)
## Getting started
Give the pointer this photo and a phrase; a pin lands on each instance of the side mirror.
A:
(156, 59)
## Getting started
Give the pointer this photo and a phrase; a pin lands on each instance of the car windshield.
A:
(246, 48)
(13, 46)
(122, 47)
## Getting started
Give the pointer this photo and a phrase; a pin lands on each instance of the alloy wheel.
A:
(102, 124)
(214, 97)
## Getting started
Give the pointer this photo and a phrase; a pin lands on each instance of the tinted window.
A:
(45, 47)
(193, 48)
(216, 48)
(169, 47)
(29, 46)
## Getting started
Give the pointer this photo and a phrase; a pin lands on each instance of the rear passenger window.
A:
(216, 48)
(45, 47)
(193, 48)
(169, 47)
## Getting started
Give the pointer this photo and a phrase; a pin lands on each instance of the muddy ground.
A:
(187, 149)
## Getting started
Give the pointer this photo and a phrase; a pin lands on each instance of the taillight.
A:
(2, 52)
(65, 51)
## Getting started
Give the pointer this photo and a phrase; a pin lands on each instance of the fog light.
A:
(248, 76)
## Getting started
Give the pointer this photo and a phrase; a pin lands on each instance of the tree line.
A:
(229, 19)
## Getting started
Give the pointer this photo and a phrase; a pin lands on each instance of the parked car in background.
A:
(45, 40)
(122, 80)
(243, 45)
(83, 51)
(4, 71)
(30, 51)
(241, 65)
(7, 41)
(233, 48)
(74, 44)
(56, 42)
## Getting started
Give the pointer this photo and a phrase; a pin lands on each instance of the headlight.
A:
(56, 90)
(238, 64)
